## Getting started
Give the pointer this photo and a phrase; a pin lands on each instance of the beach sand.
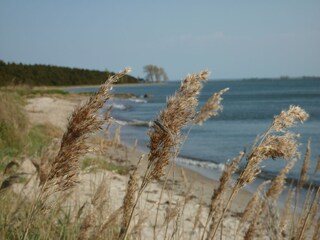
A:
(56, 110)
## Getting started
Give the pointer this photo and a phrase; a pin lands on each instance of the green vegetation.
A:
(25, 90)
(59, 225)
(13, 124)
(16, 136)
(94, 164)
(47, 75)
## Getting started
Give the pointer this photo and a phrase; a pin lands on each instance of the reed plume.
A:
(129, 200)
(65, 168)
(273, 146)
(270, 145)
(109, 223)
(165, 133)
(83, 121)
(305, 166)
(286, 214)
(251, 208)
(98, 200)
(215, 211)
(316, 170)
(272, 219)
(289, 118)
(310, 214)
(87, 225)
(211, 108)
(278, 183)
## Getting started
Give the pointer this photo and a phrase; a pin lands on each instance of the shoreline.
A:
(184, 185)
(97, 86)
(56, 112)
(191, 186)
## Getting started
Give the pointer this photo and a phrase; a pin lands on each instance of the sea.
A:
(248, 110)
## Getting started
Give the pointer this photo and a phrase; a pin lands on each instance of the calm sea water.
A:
(249, 108)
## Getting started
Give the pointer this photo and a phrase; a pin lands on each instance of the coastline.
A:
(184, 185)
(97, 86)
(56, 111)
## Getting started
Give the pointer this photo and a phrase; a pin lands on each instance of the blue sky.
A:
(233, 39)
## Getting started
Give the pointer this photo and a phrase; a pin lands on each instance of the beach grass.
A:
(96, 164)
(44, 207)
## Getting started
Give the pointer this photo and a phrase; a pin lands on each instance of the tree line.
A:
(48, 75)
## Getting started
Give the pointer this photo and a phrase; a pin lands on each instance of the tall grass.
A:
(18, 137)
(13, 124)
(46, 214)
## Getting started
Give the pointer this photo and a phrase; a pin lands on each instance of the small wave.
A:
(140, 123)
(201, 164)
(138, 100)
(122, 123)
(118, 106)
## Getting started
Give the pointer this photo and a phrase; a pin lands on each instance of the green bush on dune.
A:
(17, 137)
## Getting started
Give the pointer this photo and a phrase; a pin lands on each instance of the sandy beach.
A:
(182, 183)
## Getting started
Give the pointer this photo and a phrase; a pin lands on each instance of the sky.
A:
(233, 39)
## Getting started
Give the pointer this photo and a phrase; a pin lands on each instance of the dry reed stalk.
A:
(116, 138)
(83, 121)
(137, 228)
(215, 210)
(86, 226)
(255, 224)
(211, 108)
(110, 222)
(65, 169)
(305, 167)
(272, 146)
(311, 212)
(289, 118)
(165, 133)
(272, 195)
(286, 214)
(316, 170)
(171, 213)
(272, 220)
(198, 215)
(268, 146)
(304, 210)
(129, 200)
(316, 233)
(278, 183)
(98, 200)
(185, 179)
(176, 227)
(46, 157)
(287, 148)
(251, 208)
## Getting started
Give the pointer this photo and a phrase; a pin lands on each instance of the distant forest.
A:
(47, 75)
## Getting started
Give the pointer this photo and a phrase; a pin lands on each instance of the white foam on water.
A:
(138, 100)
(201, 164)
(118, 106)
